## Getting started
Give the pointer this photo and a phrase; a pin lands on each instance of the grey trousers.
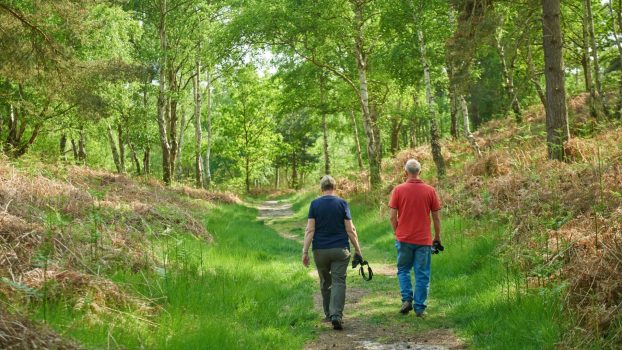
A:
(332, 266)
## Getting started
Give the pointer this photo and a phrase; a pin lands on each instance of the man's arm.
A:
(309, 232)
(436, 217)
(393, 219)
(354, 238)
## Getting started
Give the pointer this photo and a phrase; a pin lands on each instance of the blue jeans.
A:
(415, 256)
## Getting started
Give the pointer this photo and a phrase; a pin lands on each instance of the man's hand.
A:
(305, 259)
(437, 247)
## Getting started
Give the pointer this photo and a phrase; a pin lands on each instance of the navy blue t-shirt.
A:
(329, 213)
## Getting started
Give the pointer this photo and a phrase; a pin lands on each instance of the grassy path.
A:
(240, 291)
(248, 290)
(364, 326)
(473, 301)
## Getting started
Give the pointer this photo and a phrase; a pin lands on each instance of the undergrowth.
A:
(476, 290)
(115, 263)
(240, 292)
(473, 291)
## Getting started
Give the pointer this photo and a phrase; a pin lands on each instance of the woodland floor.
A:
(361, 328)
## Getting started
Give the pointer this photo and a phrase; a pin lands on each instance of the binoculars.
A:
(437, 247)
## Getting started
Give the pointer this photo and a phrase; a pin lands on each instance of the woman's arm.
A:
(309, 232)
(354, 238)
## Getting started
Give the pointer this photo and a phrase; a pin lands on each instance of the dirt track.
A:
(359, 333)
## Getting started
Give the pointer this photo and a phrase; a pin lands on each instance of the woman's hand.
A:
(305, 259)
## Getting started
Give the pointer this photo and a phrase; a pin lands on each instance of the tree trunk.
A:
(16, 144)
(276, 177)
(63, 147)
(247, 169)
(208, 150)
(372, 131)
(594, 52)
(357, 142)
(324, 127)
(121, 142)
(415, 138)
(113, 148)
(147, 160)
(467, 128)
(397, 120)
(434, 133)
(617, 15)
(82, 147)
(134, 158)
(556, 114)
(172, 128)
(198, 133)
(74, 149)
(12, 130)
(508, 77)
(585, 60)
(162, 98)
(396, 127)
(180, 142)
(594, 102)
(24, 146)
(453, 110)
(294, 171)
(325, 139)
(453, 98)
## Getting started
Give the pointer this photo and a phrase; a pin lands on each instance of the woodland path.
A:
(360, 332)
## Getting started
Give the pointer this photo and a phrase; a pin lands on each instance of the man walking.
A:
(411, 205)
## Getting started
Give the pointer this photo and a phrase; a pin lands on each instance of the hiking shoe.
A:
(326, 319)
(406, 307)
(421, 314)
(337, 323)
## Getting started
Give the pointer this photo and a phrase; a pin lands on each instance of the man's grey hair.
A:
(327, 183)
(412, 166)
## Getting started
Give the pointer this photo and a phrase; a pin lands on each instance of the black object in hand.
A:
(357, 260)
(437, 247)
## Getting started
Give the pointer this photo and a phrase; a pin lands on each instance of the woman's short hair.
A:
(327, 183)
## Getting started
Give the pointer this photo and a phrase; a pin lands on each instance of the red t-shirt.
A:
(414, 200)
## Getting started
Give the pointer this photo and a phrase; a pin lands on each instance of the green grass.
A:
(472, 290)
(244, 291)
(248, 289)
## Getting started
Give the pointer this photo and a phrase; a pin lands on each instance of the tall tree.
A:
(336, 36)
(198, 131)
(597, 105)
(556, 113)
(248, 123)
(435, 144)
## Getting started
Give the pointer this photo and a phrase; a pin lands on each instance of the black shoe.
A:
(337, 323)
(406, 307)
(421, 314)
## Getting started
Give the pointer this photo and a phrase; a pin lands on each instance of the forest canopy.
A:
(251, 93)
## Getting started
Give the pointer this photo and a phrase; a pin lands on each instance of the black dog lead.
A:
(358, 260)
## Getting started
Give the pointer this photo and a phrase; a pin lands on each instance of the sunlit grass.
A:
(469, 288)
(247, 289)
(241, 292)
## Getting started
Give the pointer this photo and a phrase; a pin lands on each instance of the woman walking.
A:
(329, 227)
